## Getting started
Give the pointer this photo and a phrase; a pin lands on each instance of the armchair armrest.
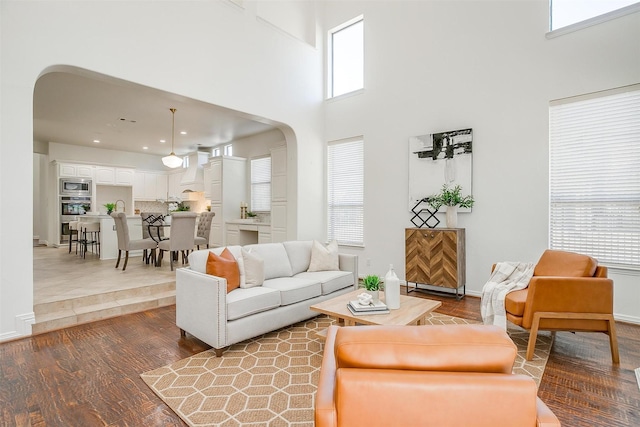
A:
(348, 262)
(569, 294)
(325, 408)
(201, 306)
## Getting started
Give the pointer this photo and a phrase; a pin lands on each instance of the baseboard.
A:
(23, 324)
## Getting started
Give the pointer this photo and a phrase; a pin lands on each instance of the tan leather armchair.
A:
(444, 376)
(568, 292)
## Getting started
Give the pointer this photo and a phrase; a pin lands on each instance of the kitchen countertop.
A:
(98, 217)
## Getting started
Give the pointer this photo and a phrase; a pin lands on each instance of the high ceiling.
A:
(80, 109)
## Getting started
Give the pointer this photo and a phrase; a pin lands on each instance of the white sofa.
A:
(205, 310)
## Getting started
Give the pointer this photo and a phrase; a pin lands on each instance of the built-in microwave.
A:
(75, 187)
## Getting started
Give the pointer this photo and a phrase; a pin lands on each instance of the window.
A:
(216, 152)
(345, 192)
(569, 12)
(228, 150)
(261, 184)
(346, 57)
(594, 176)
(185, 162)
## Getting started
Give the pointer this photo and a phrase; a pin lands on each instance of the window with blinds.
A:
(261, 184)
(594, 176)
(345, 192)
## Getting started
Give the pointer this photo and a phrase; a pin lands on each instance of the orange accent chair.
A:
(444, 376)
(568, 292)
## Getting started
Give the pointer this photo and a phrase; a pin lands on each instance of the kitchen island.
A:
(109, 237)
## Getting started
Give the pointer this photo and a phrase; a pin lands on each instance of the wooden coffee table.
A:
(412, 311)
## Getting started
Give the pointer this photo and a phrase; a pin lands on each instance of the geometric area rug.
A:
(271, 380)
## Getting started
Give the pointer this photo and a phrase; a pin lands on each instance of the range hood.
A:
(193, 176)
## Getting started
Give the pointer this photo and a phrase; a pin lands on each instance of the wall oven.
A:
(75, 187)
(71, 207)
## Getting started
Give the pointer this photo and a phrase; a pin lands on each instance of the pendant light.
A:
(172, 160)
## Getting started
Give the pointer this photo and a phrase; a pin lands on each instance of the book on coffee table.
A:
(366, 312)
(372, 306)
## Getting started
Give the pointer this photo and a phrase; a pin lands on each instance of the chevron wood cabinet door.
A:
(436, 257)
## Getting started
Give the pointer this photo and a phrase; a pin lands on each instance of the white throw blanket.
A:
(506, 277)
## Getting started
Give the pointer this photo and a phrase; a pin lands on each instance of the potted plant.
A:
(372, 285)
(110, 207)
(451, 198)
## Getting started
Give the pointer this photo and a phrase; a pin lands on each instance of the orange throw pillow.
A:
(225, 266)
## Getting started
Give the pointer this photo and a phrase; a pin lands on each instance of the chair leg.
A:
(613, 340)
(126, 259)
(533, 336)
(171, 254)
(118, 261)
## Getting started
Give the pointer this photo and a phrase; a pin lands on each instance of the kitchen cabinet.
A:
(207, 177)
(70, 170)
(436, 257)
(150, 186)
(228, 187)
(279, 194)
(174, 192)
(106, 175)
(264, 234)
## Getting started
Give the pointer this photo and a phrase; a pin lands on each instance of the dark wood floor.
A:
(88, 375)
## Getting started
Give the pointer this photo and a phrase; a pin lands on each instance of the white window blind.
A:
(595, 176)
(261, 184)
(345, 192)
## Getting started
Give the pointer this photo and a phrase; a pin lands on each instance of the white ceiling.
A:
(78, 109)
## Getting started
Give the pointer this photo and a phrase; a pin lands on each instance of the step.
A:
(67, 317)
(102, 298)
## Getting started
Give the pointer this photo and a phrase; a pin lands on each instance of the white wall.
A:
(435, 66)
(211, 51)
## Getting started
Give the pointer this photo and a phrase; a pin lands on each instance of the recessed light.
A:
(145, 148)
(97, 141)
(163, 141)
(184, 132)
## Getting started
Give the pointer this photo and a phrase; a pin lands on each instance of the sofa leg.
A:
(183, 333)
(219, 351)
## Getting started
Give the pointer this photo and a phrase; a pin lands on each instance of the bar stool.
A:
(90, 236)
(73, 231)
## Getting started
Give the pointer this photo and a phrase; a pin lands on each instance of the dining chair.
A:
(204, 229)
(126, 244)
(182, 237)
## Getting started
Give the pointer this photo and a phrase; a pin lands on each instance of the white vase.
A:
(392, 289)
(452, 216)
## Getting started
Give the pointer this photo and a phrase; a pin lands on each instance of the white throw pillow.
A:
(253, 270)
(323, 259)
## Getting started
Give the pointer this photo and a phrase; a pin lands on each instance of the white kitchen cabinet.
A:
(233, 235)
(150, 186)
(124, 176)
(279, 194)
(107, 175)
(174, 192)
(228, 190)
(264, 234)
(71, 170)
(279, 174)
(208, 177)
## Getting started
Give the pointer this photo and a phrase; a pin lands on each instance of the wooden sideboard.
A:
(436, 257)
